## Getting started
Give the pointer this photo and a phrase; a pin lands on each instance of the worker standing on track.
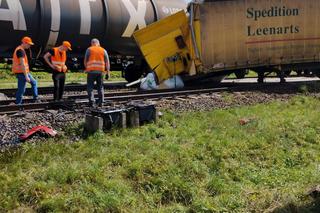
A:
(56, 58)
(20, 67)
(97, 64)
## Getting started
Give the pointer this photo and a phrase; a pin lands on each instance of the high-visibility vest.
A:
(17, 67)
(59, 59)
(96, 60)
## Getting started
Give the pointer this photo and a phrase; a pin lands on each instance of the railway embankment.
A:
(61, 120)
(250, 151)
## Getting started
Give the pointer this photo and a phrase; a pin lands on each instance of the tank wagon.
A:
(113, 22)
(226, 36)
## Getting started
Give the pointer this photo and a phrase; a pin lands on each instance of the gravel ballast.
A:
(14, 125)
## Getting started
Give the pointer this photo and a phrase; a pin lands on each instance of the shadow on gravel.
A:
(313, 207)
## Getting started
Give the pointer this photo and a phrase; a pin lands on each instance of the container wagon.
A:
(222, 37)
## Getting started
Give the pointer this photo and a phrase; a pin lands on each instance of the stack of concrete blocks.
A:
(93, 124)
(129, 118)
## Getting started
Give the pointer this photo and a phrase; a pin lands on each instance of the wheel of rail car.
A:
(317, 73)
(260, 77)
(240, 74)
(287, 73)
(132, 73)
(307, 72)
(299, 73)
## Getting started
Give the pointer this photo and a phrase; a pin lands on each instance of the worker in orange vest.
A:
(56, 58)
(20, 68)
(97, 64)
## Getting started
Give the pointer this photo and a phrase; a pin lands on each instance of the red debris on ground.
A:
(38, 129)
(244, 121)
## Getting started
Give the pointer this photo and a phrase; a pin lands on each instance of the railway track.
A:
(108, 95)
(68, 88)
(73, 102)
(77, 101)
(108, 86)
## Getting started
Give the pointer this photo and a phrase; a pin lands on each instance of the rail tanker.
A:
(113, 22)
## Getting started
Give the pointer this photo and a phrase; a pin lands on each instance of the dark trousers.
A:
(58, 81)
(91, 79)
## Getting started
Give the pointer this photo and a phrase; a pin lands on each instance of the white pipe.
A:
(135, 82)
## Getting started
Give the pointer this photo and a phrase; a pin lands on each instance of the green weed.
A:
(193, 162)
(8, 79)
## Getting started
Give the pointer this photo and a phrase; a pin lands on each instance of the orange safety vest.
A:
(96, 59)
(17, 66)
(59, 59)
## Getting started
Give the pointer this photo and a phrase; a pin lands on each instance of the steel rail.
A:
(68, 88)
(111, 94)
(77, 100)
(124, 96)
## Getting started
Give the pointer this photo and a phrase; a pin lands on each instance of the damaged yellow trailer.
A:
(216, 38)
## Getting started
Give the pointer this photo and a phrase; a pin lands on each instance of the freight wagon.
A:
(221, 37)
(49, 22)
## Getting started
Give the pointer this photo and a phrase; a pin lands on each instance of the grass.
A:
(194, 162)
(8, 80)
(250, 74)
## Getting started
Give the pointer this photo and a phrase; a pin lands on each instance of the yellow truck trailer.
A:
(219, 37)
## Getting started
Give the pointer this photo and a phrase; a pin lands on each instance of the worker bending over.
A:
(97, 64)
(56, 58)
(20, 67)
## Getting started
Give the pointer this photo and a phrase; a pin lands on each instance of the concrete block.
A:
(93, 124)
(123, 123)
(156, 115)
(134, 118)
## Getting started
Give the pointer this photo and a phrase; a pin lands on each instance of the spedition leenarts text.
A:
(283, 11)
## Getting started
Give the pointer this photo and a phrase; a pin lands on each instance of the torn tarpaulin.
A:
(38, 129)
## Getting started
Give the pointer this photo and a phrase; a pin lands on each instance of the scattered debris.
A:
(42, 130)
(245, 121)
(14, 125)
(160, 114)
